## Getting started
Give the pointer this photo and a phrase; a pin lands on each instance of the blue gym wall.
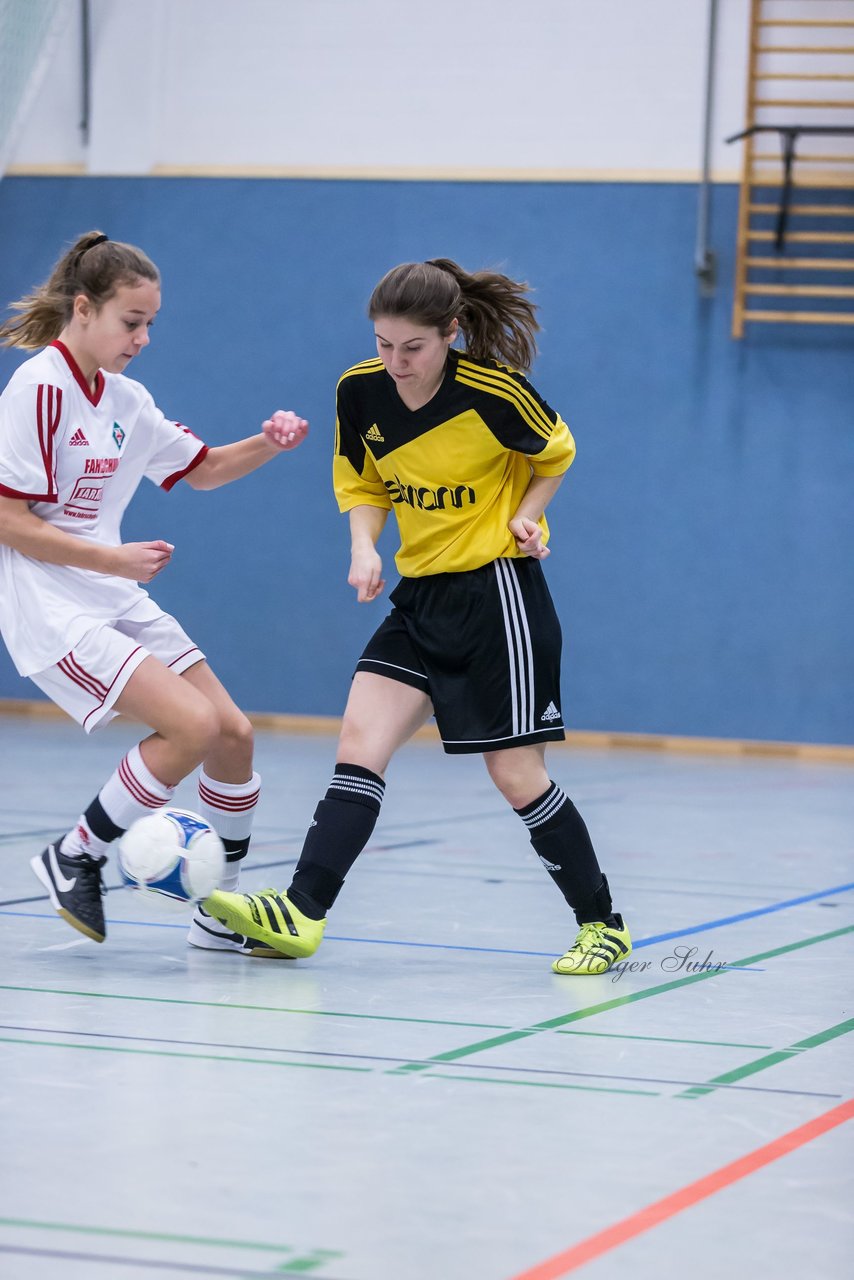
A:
(702, 542)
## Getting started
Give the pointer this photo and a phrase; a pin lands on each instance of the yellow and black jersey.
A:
(455, 470)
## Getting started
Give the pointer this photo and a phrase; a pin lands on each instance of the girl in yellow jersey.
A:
(468, 455)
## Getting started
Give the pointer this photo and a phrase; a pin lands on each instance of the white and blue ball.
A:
(172, 855)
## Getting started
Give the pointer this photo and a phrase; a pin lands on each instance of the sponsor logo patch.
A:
(85, 501)
(427, 499)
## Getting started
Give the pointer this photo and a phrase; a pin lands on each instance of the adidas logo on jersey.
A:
(79, 438)
(551, 713)
(375, 434)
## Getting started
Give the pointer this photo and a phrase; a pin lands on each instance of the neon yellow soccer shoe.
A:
(270, 917)
(596, 948)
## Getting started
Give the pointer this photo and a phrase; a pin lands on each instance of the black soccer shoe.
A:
(75, 888)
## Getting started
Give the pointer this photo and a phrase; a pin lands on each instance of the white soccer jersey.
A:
(77, 456)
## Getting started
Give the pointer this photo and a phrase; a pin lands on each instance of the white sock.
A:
(229, 807)
(128, 794)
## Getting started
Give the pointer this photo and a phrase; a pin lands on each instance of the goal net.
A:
(28, 29)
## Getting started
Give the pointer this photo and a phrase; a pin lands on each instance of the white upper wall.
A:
(581, 87)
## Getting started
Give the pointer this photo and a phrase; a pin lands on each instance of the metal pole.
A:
(704, 258)
(85, 69)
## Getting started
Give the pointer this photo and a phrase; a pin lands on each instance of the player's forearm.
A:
(33, 537)
(366, 525)
(537, 497)
(229, 462)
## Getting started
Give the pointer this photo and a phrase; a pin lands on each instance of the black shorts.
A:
(484, 646)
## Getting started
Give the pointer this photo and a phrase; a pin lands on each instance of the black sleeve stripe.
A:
(511, 381)
(499, 385)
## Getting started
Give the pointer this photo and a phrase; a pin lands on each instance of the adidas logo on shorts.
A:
(375, 434)
(79, 438)
(551, 713)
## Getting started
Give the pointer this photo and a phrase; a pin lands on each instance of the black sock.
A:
(343, 824)
(100, 822)
(235, 852)
(563, 845)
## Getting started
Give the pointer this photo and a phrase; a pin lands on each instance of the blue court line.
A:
(742, 915)
(336, 937)
(442, 946)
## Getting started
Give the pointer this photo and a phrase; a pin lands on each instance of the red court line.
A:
(594, 1246)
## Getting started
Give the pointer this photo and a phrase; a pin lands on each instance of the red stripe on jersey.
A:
(136, 788)
(41, 425)
(48, 413)
(53, 425)
(31, 497)
(228, 804)
(172, 480)
(100, 381)
(72, 670)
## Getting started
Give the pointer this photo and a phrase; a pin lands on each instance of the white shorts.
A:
(89, 679)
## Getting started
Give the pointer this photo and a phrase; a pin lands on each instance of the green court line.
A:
(540, 1084)
(257, 1008)
(632, 997)
(452, 1054)
(615, 1035)
(171, 1053)
(313, 1256)
(552, 1024)
(770, 1060)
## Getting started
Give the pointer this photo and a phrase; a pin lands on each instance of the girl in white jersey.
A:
(76, 439)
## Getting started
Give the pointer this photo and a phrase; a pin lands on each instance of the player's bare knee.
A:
(518, 786)
(235, 735)
(515, 795)
(357, 745)
(199, 729)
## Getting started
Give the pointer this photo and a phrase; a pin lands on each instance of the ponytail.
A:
(496, 318)
(94, 266)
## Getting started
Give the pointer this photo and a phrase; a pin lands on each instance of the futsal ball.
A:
(172, 855)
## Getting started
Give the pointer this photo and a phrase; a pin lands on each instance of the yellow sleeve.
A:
(353, 489)
(558, 454)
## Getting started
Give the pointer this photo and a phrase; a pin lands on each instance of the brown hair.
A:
(496, 318)
(94, 266)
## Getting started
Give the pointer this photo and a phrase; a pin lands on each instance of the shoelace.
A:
(590, 935)
(95, 864)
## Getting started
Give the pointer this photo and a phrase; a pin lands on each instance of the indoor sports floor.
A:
(424, 1099)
